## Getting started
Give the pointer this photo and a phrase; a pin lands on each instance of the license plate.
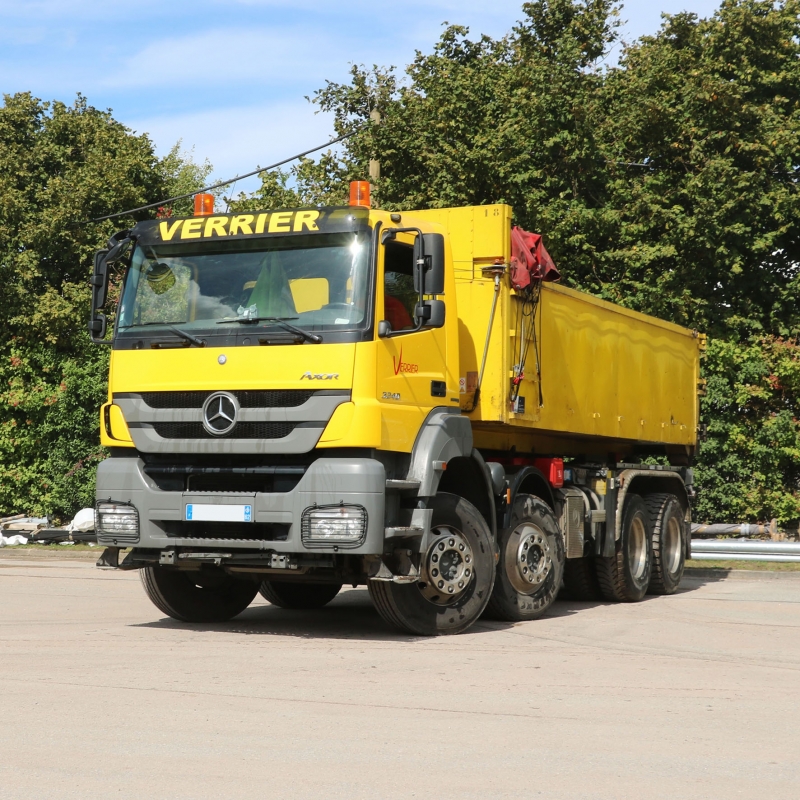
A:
(212, 512)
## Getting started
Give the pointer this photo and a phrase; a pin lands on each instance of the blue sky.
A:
(229, 78)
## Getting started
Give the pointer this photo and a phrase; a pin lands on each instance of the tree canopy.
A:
(61, 165)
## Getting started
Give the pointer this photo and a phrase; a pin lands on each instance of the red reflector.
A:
(553, 469)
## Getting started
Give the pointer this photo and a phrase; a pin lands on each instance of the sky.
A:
(230, 79)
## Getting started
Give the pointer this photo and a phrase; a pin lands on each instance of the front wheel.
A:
(531, 563)
(456, 574)
(202, 595)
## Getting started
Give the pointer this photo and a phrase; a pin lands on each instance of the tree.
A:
(60, 165)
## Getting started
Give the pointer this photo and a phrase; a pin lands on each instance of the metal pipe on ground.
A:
(739, 529)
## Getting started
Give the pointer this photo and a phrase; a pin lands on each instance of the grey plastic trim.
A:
(444, 435)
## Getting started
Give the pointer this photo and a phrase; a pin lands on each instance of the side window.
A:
(399, 297)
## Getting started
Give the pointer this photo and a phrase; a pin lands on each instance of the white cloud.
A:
(239, 139)
(257, 57)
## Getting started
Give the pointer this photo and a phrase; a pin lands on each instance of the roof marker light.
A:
(359, 193)
(203, 205)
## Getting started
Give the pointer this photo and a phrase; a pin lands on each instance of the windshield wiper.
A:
(170, 327)
(188, 336)
(282, 321)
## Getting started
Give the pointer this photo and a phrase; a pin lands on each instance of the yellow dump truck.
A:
(301, 399)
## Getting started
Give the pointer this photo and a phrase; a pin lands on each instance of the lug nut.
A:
(467, 559)
(461, 547)
(434, 572)
(450, 589)
(441, 545)
(452, 542)
(524, 570)
(461, 584)
(440, 584)
(434, 558)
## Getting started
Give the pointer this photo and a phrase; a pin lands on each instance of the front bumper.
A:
(276, 516)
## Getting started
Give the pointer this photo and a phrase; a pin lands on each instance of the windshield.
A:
(318, 281)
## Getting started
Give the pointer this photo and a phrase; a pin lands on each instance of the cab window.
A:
(399, 297)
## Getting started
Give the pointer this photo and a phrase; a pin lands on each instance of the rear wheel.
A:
(288, 594)
(531, 562)
(580, 579)
(625, 576)
(204, 595)
(456, 574)
(669, 556)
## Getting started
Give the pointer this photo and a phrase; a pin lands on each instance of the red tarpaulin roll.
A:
(529, 260)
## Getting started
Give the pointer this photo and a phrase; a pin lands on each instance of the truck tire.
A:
(669, 556)
(461, 552)
(580, 580)
(625, 576)
(531, 563)
(288, 594)
(206, 595)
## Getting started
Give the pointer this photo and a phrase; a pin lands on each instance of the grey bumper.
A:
(328, 481)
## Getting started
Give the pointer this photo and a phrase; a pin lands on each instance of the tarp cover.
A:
(529, 260)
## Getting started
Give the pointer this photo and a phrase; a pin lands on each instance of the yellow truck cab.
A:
(305, 398)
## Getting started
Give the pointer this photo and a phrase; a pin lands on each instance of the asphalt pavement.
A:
(691, 696)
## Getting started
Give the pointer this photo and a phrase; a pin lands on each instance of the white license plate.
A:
(212, 512)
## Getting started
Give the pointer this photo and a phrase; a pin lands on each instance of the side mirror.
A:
(384, 328)
(431, 313)
(99, 279)
(97, 327)
(99, 283)
(432, 268)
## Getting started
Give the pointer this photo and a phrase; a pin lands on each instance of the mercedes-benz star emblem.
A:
(220, 412)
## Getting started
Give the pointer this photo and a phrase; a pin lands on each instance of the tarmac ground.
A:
(691, 696)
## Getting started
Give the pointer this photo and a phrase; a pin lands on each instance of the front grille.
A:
(227, 531)
(272, 398)
(244, 430)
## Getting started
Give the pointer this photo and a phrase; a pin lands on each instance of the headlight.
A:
(325, 526)
(116, 523)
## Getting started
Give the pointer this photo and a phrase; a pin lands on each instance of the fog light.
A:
(326, 526)
(116, 523)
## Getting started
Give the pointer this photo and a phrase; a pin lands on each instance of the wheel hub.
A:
(449, 566)
(528, 558)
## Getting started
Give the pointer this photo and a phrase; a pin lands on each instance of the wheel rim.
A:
(637, 548)
(671, 546)
(529, 558)
(449, 567)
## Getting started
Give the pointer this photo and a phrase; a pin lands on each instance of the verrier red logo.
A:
(403, 366)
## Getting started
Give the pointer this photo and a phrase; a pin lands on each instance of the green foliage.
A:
(181, 174)
(60, 165)
(749, 464)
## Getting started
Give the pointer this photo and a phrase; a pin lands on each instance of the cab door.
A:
(411, 365)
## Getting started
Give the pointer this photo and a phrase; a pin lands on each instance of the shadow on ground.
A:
(350, 615)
